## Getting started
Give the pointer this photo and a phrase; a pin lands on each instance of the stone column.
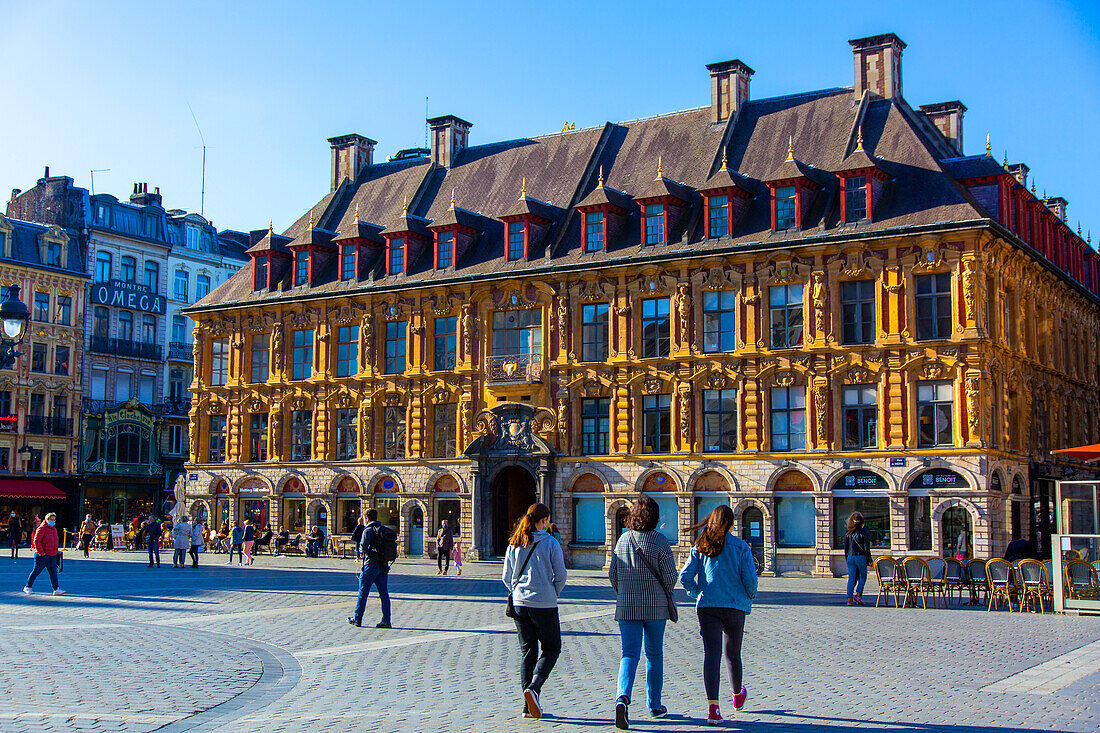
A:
(823, 566)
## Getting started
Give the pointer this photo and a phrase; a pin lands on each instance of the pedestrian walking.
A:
(377, 547)
(236, 544)
(721, 575)
(356, 537)
(248, 541)
(456, 555)
(857, 553)
(643, 575)
(554, 532)
(87, 533)
(444, 543)
(181, 542)
(151, 531)
(534, 573)
(198, 531)
(44, 542)
(15, 534)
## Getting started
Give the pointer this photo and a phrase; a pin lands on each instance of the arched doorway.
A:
(955, 521)
(620, 522)
(752, 532)
(416, 532)
(513, 491)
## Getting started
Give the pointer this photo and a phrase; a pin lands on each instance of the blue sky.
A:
(107, 84)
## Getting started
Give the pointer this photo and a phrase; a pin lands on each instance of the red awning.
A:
(1081, 452)
(29, 489)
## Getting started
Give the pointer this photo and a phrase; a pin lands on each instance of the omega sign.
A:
(124, 294)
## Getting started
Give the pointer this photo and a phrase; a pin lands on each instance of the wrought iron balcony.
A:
(180, 351)
(42, 425)
(123, 469)
(125, 347)
(514, 368)
(173, 407)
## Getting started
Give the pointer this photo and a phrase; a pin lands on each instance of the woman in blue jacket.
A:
(721, 576)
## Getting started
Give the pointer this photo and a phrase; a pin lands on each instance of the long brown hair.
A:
(855, 521)
(525, 527)
(712, 540)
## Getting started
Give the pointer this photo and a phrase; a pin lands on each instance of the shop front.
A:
(30, 498)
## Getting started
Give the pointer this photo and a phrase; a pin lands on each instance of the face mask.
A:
(50, 522)
(13, 514)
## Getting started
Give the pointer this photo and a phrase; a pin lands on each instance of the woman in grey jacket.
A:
(643, 574)
(534, 572)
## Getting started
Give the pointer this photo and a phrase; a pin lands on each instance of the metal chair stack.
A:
(889, 579)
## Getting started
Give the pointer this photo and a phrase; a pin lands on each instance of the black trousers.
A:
(537, 627)
(85, 541)
(444, 559)
(194, 552)
(718, 625)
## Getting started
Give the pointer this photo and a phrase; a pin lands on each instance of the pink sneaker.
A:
(714, 717)
(740, 698)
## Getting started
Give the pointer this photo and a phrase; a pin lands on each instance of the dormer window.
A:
(53, 254)
(655, 224)
(301, 267)
(593, 231)
(347, 262)
(718, 216)
(855, 198)
(786, 207)
(259, 281)
(444, 249)
(396, 259)
(517, 240)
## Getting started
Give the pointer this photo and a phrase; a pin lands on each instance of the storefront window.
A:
(222, 511)
(387, 512)
(704, 505)
(876, 518)
(588, 524)
(294, 515)
(668, 525)
(255, 511)
(794, 521)
(349, 514)
(451, 510)
(920, 523)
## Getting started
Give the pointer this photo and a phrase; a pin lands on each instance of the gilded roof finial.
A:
(660, 169)
(1090, 238)
(1005, 164)
(271, 227)
(357, 213)
(523, 189)
(405, 206)
(988, 146)
(790, 147)
(311, 220)
(859, 141)
(725, 162)
(1078, 228)
(600, 184)
(452, 199)
(1033, 187)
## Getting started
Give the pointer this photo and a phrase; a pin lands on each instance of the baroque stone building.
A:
(799, 306)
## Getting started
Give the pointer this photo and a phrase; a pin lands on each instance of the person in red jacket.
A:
(44, 543)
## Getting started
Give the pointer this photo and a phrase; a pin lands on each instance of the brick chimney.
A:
(1020, 171)
(1057, 206)
(450, 134)
(729, 88)
(948, 119)
(350, 155)
(878, 65)
(142, 197)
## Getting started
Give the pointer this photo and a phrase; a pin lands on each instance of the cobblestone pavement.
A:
(266, 648)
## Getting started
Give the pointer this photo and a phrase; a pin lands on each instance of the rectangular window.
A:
(718, 218)
(920, 522)
(595, 426)
(517, 333)
(860, 404)
(5, 459)
(148, 329)
(5, 406)
(259, 357)
(219, 362)
(101, 319)
(857, 306)
(935, 401)
(216, 436)
(53, 255)
(301, 267)
(788, 418)
(57, 461)
(347, 351)
(786, 204)
(656, 328)
(99, 383)
(393, 433)
(102, 267)
(152, 276)
(397, 256)
(257, 437)
(876, 519)
(179, 329)
(346, 442)
(719, 321)
(669, 514)
(656, 423)
(38, 357)
(517, 240)
(261, 272)
(64, 310)
(301, 358)
(301, 435)
(202, 286)
(794, 521)
(175, 439)
(176, 386)
(593, 231)
(934, 306)
(395, 348)
(1008, 319)
(129, 269)
(37, 405)
(594, 333)
(125, 326)
(42, 307)
(445, 248)
(445, 354)
(347, 262)
(182, 285)
(720, 420)
(444, 416)
(588, 520)
(124, 380)
(146, 386)
(855, 198)
(785, 307)
(61, 360)
(654, 223)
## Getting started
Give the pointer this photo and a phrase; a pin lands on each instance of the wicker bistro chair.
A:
(1079, 579)
(954, 577)
(999, 573)
(890, 579)
(918, 579)
(937, 581)
(977, 581)
(1035, 582)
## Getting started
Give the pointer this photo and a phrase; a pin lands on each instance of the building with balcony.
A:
(40, 392)
(800, 306)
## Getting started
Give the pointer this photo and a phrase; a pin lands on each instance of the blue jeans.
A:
(632, 633)
(154, 551)
(857, 575)
(49, 562)
(372, 574)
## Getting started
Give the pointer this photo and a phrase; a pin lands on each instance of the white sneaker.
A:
(58, 592)
(229, 563)
(27, 590)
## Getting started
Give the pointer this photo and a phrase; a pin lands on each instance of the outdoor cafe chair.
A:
(1079, 579)
(977, 580)
(889, 579)
(999, 572)
(1036, 585)
(917, 580)
(954, 577)
(937, 582)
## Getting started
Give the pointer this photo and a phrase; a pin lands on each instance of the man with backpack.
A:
(378, 548)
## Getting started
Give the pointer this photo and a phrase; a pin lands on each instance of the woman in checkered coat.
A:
(643, 574)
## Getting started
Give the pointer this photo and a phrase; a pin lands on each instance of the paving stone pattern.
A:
(266, 648)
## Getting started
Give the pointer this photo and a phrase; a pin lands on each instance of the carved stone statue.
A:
(684, 391)
(683, 308)
(276, 432)
(969, 287)
(563, 324)
(973, 416)
(368, 340)
(817, 292)
(563, 422)
(467, 327)
(821, 396)
(277, 348)
(178, 493)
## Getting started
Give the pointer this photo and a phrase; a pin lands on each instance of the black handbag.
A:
(510, 609)
(673, 613)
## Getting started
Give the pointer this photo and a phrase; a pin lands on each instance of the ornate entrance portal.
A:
(514, 470)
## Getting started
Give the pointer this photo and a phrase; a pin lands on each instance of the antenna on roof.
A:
(202, 193)
(426, 125)
(92, 173)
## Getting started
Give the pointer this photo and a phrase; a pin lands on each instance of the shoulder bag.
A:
(510, 609)
(673, 614)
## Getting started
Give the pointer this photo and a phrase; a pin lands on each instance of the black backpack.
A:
(383, 546)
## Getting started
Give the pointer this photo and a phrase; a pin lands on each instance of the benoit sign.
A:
(128, 295)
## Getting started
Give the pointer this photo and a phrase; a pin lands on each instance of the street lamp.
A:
(14, 316)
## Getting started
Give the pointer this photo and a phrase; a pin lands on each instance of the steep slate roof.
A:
(561, 170)
(25, 247)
